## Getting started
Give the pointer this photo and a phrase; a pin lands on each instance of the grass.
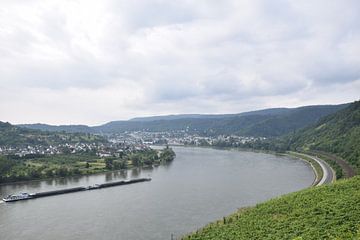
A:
(325, 212)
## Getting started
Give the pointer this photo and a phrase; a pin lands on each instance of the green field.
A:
(326, 212)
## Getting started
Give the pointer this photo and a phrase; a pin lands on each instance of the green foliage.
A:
(334, 165)
(14, 168)
(326, 212)
(265, 123)
(11, 135)
(167, 155)
(151, 156)
(6, 164)
(109, 163)
(338, 133)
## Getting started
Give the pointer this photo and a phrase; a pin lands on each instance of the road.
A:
(328, 173)
(348, 170)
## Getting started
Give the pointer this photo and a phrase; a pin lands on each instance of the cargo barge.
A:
(57, 192)
(26, 196)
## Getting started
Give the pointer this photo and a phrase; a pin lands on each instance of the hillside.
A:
(338, 133)
(326, 212)
(270, 111)
(59, 128)
(11, 135)
(265, 123)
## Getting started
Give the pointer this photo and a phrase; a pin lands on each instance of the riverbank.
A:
(342, 168)
(318, 171)
(60, 166)
(197, 180)
(326, 212)
(324, 174)
(314, 164)
(328, 174)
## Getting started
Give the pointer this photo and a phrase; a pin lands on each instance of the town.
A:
(100, 149)
(128, 142)
(180, 138)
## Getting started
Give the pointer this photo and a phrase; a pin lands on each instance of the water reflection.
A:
(49, 181)
(62, 181)
(85, 180)
(121, 174)
(167, 165)
(149, 167)
(108, 176)
(194, 185)
(135, 172)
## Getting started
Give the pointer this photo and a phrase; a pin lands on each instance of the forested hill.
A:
(265, 123)
(338, 133)
(11, 135)
(269, 111)
(59, 128)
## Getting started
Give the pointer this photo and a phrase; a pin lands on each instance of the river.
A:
(198, 187)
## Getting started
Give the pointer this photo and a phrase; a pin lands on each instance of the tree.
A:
(135, 159)
(49, 172)
(62, 171)
(109, 163)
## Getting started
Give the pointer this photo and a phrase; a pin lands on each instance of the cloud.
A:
(121, 59)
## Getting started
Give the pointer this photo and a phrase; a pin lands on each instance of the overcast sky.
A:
(90, 62)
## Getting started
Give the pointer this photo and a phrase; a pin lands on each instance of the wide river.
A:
(201, 185)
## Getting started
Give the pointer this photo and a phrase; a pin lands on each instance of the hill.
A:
(270, 111)
(262, 123)
(326, 212)
(11, 135)
(265, 123)
(59, 128)
(338, 133)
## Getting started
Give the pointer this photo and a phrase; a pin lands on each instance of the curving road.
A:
(328, 173)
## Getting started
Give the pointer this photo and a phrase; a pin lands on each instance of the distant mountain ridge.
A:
(269, 111)
(267, 122)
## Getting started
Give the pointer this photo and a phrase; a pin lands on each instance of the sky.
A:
(90, 62)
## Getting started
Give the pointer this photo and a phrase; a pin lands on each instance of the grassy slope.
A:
(326, 212)
(338, 133)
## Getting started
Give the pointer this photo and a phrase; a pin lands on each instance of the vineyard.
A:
(326, 212)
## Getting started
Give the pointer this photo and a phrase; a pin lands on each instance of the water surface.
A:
(199, 186)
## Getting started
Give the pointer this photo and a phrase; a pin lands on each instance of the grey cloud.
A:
(335, 74)
(144, 55)
(237, 86)
(145, 14)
